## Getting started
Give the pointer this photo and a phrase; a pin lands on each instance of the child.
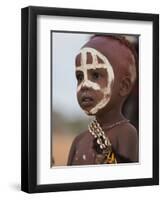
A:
(106, 73)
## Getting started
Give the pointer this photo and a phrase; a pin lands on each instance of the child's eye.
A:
(79, 77)
(95, 75)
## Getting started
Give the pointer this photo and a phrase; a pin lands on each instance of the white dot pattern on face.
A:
(84, 157)
(95, 65)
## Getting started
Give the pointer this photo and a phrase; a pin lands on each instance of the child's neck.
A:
(110, 117)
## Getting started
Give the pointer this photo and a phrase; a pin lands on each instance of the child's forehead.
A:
(116, 53)
(89, 59)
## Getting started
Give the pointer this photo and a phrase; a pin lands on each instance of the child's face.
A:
(95, 77)
(99, 87)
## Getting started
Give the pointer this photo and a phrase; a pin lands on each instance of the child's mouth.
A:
(87, 101)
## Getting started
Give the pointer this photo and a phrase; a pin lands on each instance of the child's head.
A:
(105, 72)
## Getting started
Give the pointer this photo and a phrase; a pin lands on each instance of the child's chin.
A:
(88, 110)
(89, 113)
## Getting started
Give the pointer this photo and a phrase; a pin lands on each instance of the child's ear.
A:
(125, 86)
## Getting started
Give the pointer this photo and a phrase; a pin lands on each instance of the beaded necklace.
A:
(103, 142)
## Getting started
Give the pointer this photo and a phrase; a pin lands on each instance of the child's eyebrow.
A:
(78, 71)
(97, 69)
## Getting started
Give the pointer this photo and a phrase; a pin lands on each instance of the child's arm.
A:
(71, 152)
(73, 149)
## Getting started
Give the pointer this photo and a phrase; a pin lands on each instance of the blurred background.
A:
(68, 120)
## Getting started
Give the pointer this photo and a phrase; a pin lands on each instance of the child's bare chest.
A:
(85, 152)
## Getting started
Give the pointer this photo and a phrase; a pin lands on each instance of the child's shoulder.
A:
(128, 131)
(125, 130)
(128, 128)
(81, 136)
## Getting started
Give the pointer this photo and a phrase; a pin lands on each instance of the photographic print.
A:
(90, 99)
(98, 122)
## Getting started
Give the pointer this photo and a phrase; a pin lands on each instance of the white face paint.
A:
(95, 86)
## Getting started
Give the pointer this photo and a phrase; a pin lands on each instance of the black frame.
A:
(29, 98)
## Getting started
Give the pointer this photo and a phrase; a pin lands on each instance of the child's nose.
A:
(84, 88)
(85, 84)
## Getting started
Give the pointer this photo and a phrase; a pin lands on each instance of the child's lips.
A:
(87, 101)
